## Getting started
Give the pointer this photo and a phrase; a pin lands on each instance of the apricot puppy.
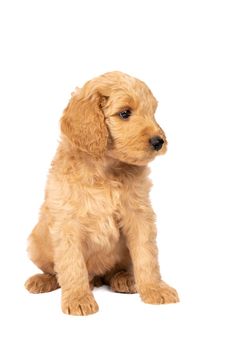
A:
(96, 224)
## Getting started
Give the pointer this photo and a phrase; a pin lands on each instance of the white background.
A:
(183, 51)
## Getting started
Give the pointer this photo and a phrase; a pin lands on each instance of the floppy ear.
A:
(83, 123)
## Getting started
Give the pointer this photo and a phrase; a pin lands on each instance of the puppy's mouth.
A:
(135, 159)
(140, 155)
(152, 154)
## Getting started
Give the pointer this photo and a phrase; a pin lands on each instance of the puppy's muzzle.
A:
(156, 143)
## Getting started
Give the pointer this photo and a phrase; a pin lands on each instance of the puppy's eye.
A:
(125, 114)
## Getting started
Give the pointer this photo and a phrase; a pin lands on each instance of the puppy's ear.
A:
(83, 123)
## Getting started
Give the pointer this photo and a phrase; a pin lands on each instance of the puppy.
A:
(96, 224)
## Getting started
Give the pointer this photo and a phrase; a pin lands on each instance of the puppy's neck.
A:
(74, 161)
(119, 168)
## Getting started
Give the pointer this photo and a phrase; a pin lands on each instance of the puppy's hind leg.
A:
(41, 253)
(123, 282)
(120, 281)
(121, 278)
(42, 283)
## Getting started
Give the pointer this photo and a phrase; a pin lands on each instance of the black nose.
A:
(156, 143)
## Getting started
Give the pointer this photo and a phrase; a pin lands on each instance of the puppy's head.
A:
(114, 115)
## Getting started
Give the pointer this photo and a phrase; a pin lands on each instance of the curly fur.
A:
(96, 224)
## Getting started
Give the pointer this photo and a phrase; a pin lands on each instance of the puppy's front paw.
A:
(79, 305)
(160, 293)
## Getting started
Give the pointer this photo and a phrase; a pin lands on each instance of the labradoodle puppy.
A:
(96, 224)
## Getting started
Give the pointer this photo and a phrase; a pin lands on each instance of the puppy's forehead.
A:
(129, 91)
(136, 96)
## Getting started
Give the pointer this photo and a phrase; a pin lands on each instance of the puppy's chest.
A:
(116, 195)
(100, 216)
(108, 199)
